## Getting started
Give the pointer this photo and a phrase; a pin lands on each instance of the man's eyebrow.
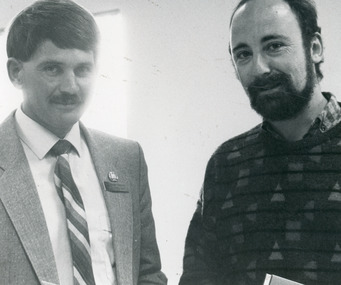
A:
(44, 62)
(89, 62)
(240, 46)
(264, 39)
(57, 62)
(273, 37)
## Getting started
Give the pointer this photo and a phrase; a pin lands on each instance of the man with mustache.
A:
(75, 204)
(271, 198)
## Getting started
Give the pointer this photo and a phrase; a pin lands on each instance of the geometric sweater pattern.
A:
(268, 206)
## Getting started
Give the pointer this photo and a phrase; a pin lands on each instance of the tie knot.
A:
(61, 147)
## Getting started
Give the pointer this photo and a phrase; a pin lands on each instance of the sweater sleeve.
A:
(200, 258)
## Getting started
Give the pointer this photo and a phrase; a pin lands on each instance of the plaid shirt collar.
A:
(326, 120)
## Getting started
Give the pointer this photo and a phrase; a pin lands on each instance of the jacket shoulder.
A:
(103, 137)
(112, 144)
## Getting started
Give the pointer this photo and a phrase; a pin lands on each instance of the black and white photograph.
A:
(153, 142)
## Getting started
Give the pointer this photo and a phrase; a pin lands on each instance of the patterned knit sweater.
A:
(268, 206)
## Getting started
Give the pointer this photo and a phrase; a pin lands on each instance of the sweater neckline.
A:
(307, 142)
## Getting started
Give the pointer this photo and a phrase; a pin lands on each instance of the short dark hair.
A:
(63, 22)
(305, 11)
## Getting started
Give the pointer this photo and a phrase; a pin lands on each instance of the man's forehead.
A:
(48, 50)
(262, 18)
(279, 6)
(261, 10)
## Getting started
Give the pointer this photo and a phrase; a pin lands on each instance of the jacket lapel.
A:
(20, 198)
(118, 201)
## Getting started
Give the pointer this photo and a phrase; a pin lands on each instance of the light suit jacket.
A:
(26, 255)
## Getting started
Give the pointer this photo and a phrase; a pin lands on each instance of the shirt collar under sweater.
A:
(326, 120)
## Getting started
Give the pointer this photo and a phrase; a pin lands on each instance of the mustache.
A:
(66, 99)
(270, 81)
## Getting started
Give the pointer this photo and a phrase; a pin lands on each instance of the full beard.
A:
(287, 103)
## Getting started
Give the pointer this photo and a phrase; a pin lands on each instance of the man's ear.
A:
(316, 49)
(14, 68)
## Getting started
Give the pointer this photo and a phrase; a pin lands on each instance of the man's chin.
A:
(67, 107)
(276, 107)
(64, 121)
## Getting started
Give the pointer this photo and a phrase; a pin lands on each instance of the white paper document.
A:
(271, 279)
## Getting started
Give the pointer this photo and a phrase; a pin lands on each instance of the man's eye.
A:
(242, 55)
(52, 70)
(275, 46)
(83, 71)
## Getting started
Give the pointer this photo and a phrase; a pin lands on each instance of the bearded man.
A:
(271, 198)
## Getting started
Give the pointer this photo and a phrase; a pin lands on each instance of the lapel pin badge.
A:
(112, 176)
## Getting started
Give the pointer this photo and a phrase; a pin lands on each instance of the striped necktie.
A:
(75, 215)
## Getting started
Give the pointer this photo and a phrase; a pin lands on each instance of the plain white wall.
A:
(183, 97)
(183, 102)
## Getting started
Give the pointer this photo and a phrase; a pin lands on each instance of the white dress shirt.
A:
(37, 141)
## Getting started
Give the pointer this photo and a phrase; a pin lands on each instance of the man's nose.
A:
(69, 83)
(260, 65)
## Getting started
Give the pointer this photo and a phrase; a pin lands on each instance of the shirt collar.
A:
(326, 120)
(330, 115)
(39, 139)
